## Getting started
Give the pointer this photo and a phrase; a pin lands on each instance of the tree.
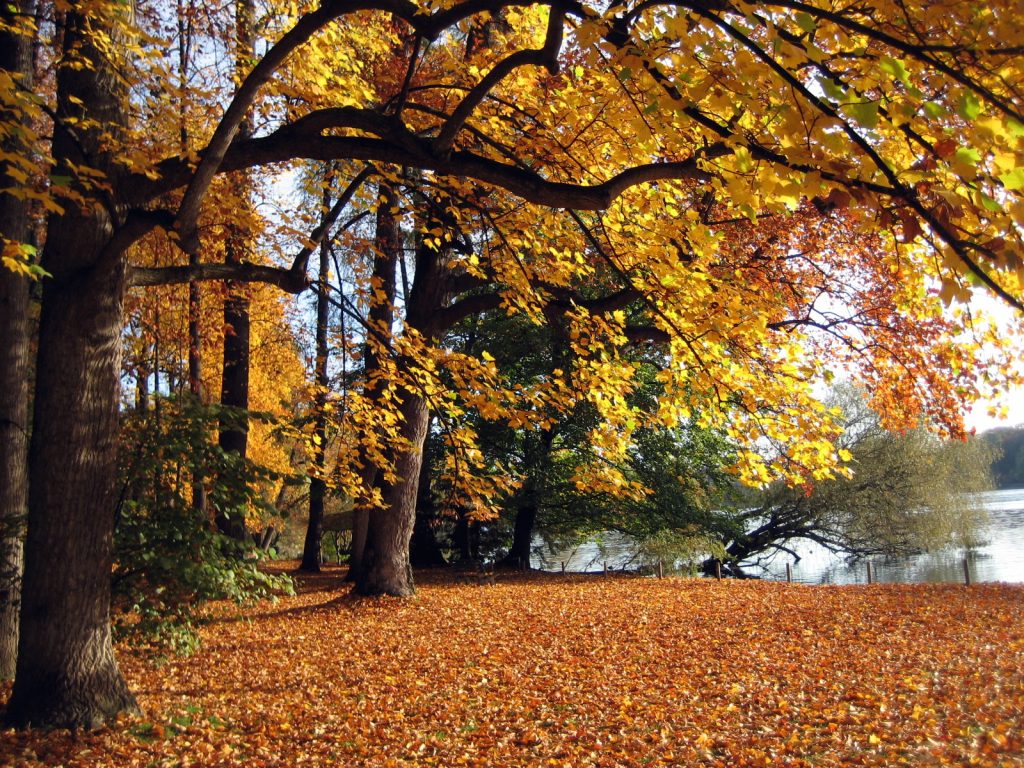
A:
(312, 554)
(906, 493)
(580, 134)
(15, 64)
(234, 388)
(66, 672)
(1007, 445)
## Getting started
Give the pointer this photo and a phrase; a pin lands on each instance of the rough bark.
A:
(391, 528)
(16, 58)
(67, 675)
(235, 385)
(387, 251)
(13, 453)
(386, 569)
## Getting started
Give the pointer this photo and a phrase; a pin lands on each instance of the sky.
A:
(979, 420)
(978, 417)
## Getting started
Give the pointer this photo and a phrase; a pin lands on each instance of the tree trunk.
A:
(235, 384)
(195, 382)
(15, 58)
(13, 451)
(360, 528)
(424, 550)
(66, 673)
(522, 535)
(388, 250)
(235, 372)
(312, 550)
(391, 528)
(538, 460)
(467, 538)
(235, 375)
(386, 568)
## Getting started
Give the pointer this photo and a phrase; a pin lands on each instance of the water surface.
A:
(1001, 558)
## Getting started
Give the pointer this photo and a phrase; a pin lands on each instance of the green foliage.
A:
(169, 557)
(684, 469)
(682, 550)
(908, 492)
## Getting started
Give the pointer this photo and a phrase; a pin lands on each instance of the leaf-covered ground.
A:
(595, 671)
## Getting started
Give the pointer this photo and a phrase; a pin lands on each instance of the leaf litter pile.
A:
(580, 671)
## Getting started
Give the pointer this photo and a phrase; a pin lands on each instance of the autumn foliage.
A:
(756, 197)
(581, 671)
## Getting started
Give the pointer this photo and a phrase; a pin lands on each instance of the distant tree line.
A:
(1008, 446)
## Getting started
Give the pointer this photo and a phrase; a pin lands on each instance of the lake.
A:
(1000, 559)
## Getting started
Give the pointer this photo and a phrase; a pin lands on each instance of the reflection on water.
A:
(1001, 559)
(612, 550)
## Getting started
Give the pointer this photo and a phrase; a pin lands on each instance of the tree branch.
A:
(545, 56)
(292, 280)
(447, 317)
(399, 146)
(285, 279)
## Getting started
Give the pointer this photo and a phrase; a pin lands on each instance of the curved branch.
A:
(398, 145)
(545, 56)
(214, 153)
(638, 334)
(293, 279)
(447, 317)
(427, 25)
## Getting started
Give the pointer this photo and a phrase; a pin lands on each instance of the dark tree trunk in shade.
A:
(13, 451)
(386, 569)
(15, 58)
(235, 382)
(538, 454)
(466, 538)
(195, 378)
(234, 390)
(387, 252)
(360, 525)
(67, 675)
(424, 549)
(312, 550)
(522, 536)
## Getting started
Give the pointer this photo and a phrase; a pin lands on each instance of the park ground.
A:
(538, 670)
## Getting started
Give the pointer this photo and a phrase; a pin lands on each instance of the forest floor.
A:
(576, 671)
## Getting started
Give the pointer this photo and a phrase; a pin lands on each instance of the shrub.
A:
(169, 558)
